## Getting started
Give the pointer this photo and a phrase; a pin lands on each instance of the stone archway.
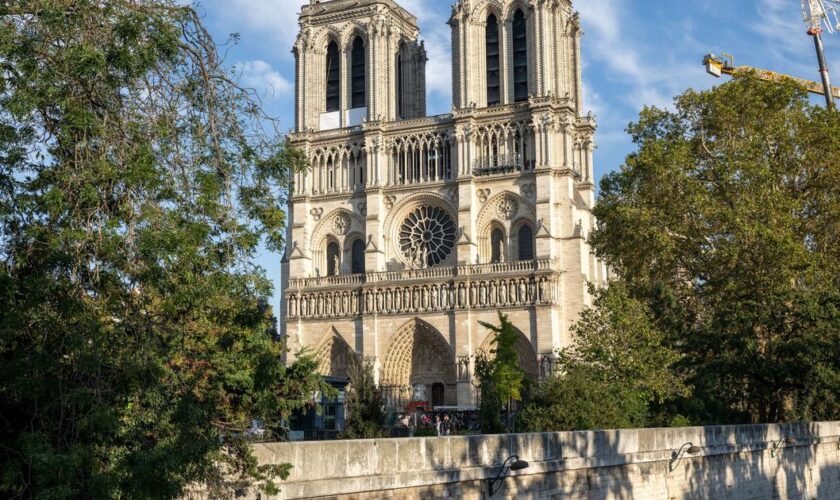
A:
(418, 356)
(527, 354)
(335, 356)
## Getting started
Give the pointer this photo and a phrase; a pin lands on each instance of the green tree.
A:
(726, 220)
(137, 181)
(365, 407)
(617, 366)
(500, 377)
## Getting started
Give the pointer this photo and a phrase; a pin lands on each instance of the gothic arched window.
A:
(492, 44)
(357, 78)
(526, 242)
(333, 259)
(358, 258)
(520, 57)
(497, 246)
(333, 78)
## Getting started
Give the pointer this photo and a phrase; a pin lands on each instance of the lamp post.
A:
(778, 445)
(517, 464)
(676, 456)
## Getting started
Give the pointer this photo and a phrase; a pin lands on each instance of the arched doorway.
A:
(527, 354)
(335, 357)
(419, 360)
(438, 394)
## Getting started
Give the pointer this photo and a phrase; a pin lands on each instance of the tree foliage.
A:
(616, 367)
(365, 406)
(136, 185)
(500, 377)
(726, 221)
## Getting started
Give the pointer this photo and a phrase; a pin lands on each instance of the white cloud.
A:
(268, 83)
(651, 75)
(274, 22)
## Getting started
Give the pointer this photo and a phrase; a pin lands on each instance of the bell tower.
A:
(357, 61)
(506, 51)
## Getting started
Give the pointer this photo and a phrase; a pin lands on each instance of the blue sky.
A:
(635, 53)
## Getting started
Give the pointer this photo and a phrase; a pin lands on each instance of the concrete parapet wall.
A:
(744, 462)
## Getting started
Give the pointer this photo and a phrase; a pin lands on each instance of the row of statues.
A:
(424, 298)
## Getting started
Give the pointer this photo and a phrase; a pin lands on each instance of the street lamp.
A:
(778, 445)
(676, 456)
(492, 484)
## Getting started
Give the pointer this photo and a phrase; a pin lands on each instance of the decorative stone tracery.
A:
(427, 236)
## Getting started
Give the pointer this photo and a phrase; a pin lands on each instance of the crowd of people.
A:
(444, 424)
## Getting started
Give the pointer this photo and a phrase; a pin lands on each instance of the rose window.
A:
(427, 236)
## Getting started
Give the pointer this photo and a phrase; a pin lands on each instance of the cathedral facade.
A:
(407, 230)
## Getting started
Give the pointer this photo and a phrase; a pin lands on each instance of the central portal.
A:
(419, 364)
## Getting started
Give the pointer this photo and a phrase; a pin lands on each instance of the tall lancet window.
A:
(493, 80)
(357, 77)
(333, 78)
(520, 57)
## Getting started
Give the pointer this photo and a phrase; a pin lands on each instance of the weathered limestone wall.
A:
(743, 462)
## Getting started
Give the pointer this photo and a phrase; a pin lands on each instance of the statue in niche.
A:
(501, 252)
(434, 297)
(337, 265)
(464, 368)
(503, 292)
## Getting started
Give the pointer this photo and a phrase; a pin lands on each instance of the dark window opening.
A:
(333, 259)
(520, 57)
(358, 257)
(333, 78)
(497, 242)
(400, 111)
(526, 243)
(493, 76)
(357, 81)
(438, 395)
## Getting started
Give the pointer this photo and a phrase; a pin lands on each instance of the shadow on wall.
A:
(595, 464)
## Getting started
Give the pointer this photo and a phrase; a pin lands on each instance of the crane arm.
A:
(716, 66)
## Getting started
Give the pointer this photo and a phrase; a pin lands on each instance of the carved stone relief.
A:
(390, 201)
(434, 297)
(341, 224)
(507, 208)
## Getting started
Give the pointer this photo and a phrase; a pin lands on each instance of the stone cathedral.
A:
(407, 230)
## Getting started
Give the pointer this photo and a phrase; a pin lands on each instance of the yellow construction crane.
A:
(718, 66)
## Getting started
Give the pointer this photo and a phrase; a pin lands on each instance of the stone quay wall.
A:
(791, 461)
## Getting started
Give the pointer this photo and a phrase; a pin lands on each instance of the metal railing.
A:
(501, 164)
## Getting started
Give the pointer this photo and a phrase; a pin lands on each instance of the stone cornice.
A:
(332, 11)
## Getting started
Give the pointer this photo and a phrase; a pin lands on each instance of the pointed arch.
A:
(527, 354)
(358, 73)
(418, 354)
(333, 77)
(519, 33)
(492, 43)
(334, 356)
